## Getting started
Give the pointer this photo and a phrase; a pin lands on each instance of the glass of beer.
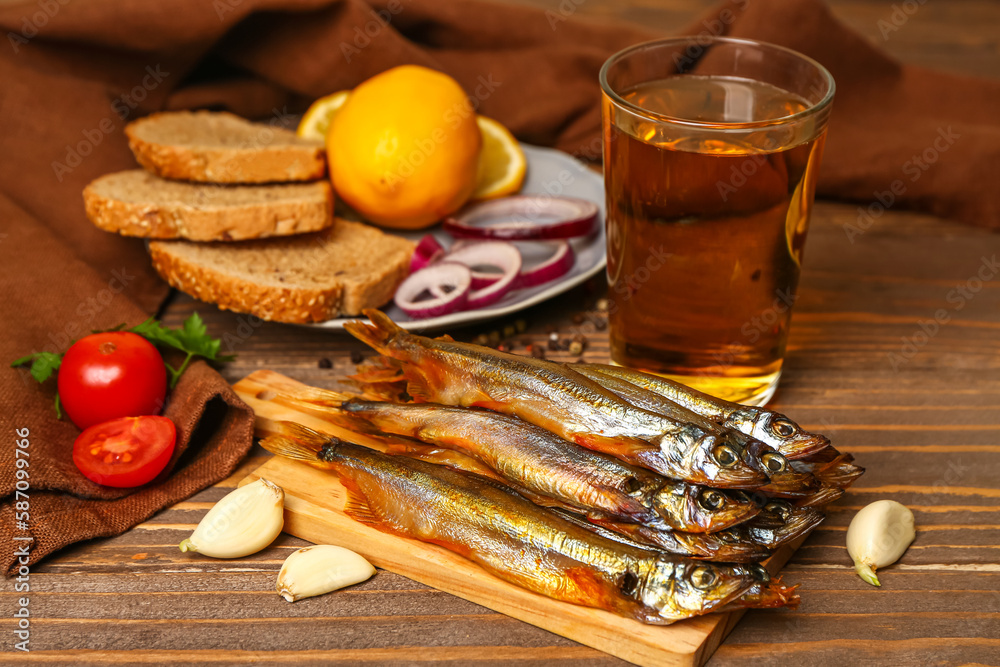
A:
(711, 151)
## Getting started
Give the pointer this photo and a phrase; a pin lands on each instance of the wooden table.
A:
(926, 429)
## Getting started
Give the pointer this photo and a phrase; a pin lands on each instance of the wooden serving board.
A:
(314, 502)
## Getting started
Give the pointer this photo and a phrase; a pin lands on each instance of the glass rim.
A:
(813, 109)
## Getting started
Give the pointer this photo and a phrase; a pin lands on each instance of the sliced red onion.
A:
(428, 251)
(434, 280)
(556, 266)
(489, 253)
(524, 217)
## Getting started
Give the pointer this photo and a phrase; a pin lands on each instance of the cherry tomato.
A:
(125, 452)
(109, 375)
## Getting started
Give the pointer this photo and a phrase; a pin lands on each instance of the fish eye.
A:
(784, 510)
(702, 577)
(632, 485)
(725, 455)
(729, 536)
(774, 462)
(711, 500)
(783, 427)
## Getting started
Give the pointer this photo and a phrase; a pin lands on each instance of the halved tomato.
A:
(125, 452)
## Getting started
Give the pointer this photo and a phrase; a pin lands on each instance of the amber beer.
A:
(708, 198)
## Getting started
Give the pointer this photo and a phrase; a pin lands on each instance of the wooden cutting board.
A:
(314, 502)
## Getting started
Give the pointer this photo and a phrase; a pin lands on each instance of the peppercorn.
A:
(325, 363)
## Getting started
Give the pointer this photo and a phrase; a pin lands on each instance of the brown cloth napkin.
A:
(73, 73)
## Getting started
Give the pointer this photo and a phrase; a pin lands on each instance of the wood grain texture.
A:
(909, 426)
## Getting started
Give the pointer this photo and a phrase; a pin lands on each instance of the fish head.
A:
(734, 544)
(759, 456)
(718, 460)
(777, 431)
(709, 509)
(682, 588)
(797, 521)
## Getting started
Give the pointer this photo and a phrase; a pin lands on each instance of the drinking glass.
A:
(711, 152)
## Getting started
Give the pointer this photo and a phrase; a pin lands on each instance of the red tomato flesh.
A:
(125, 452)
(113, 374)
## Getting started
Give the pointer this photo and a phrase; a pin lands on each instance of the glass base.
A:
(754, 390)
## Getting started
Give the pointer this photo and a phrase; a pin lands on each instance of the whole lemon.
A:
(403, 149)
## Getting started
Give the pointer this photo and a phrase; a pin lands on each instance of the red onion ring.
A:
(556, 266)
(489, 253)
(524, 217)
(428, 251)
(432, 279)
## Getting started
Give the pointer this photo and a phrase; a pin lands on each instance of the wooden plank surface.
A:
(928, 432)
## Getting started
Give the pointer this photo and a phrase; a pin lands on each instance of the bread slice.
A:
(218, 147)
(137, 203)
(306, 278)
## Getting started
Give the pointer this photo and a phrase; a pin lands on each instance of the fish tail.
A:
(299, 443)
(326, 398)
(377, 335)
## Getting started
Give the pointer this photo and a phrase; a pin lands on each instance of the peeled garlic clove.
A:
(878, 536)
(242, 523)
(320, 569)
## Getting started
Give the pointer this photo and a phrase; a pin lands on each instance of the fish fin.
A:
(376, 335)
(489, 404)
(314, 396)
(383, 391)
(371, 375)
(299, 442)
(825, 496)
(446, 338)
(356, 505)
(418, 392)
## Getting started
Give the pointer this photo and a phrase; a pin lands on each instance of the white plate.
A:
(549, 171)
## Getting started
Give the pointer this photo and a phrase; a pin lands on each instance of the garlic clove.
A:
(878, 536)
(320, 569)
(242, 523)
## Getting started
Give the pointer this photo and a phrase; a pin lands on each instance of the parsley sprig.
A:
(192, 339)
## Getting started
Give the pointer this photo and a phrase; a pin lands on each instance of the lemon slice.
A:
(502, 164)
(316, 120)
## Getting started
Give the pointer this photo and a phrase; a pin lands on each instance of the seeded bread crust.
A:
(137, 203)
(363, 270)
(219, 147)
